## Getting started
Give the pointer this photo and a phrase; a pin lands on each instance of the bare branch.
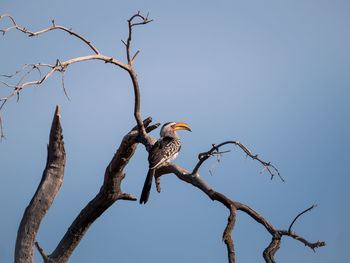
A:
(272, 248)
(125, 196)
(218, 154)
(124, 42)
(227, 238)
(195, 179)
(295, 219)
(215, 149)
(42, 252)
(144, 21)
(132, 61)
(61, 67)
(2, 136)
(109, 193)
(311, 245)
(145, 139)
(53, 27)
(291, 234)
(64, 88)
(47, 190)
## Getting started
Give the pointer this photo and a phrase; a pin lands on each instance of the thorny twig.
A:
(53, 27)
(215, 149)
(218, 154)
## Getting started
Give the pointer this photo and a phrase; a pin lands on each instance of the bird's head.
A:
(170, 128)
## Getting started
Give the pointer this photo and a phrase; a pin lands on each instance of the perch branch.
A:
(109, 193)
(195, 179)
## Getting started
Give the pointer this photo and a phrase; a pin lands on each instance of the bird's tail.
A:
(147, 186)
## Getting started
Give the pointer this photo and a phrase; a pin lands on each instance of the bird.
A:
(162, 152)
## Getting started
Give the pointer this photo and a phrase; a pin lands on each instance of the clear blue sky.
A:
(271, 74)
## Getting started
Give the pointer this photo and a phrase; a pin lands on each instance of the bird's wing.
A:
(163, 150)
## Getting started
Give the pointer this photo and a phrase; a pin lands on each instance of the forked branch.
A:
(144, 20)
(109, 193)
(195, 179)
(215, 151)
(61, 67)
(110, 190)
(53, 27)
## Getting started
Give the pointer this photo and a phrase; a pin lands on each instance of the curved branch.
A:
(110, 190)
(145, 139)
(271, 249)
(62, 66)
(195, 179)
(227, 238)
(215, 150)
(53, 27)
(295, 219)
(59, 67)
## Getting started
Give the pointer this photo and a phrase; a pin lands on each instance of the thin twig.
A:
(313, 246)
(144, 21)
(215, 148)
(64, 87)
(41, 251)
(218, 154)
(59, 67)
(2, 136)
(53, 27)
(295, 219)
(132, 61)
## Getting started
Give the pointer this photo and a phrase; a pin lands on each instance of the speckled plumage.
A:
(162, 152)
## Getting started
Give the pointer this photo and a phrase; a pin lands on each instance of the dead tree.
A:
(111, 191)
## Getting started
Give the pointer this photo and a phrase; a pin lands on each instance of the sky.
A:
(273, 75)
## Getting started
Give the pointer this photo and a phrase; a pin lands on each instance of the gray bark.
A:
(45, 194)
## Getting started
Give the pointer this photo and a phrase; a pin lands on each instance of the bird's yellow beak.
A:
(182, 126)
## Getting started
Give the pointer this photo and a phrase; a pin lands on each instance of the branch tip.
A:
(126, 196)
(295, 219)
(57, 111)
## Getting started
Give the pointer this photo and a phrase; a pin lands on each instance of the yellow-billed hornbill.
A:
(162, 152)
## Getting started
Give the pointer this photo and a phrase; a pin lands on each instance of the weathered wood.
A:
(195, 179)
(48, 188)
(109, 193)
